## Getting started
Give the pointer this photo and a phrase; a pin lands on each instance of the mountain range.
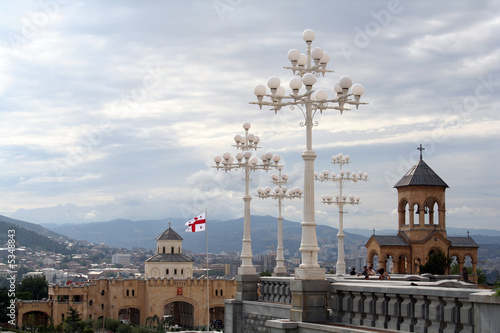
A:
(222, 236)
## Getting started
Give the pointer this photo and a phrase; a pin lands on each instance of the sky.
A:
(116, 109)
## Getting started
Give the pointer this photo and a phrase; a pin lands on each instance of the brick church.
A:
(421, 226)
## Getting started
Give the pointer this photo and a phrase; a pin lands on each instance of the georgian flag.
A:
(196, 224)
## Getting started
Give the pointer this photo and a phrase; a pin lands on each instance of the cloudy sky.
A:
(116, 109)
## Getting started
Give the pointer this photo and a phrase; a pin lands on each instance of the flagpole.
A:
(208, 291)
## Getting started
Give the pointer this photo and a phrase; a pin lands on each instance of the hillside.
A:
(30, 239)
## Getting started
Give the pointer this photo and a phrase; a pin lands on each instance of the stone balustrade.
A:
(394, 305)
(402, 306)
(275, 290)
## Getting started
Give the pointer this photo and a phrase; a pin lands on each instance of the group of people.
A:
(369, 271)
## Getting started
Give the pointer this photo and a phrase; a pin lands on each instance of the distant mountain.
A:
(222, 235)
(36, 239)
(31, 226)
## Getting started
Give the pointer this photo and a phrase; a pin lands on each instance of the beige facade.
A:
(190, 301)
(135, 300)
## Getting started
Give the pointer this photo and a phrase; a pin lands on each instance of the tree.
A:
(266, 273)
(36, 285)
(437, 264)
(73, 322)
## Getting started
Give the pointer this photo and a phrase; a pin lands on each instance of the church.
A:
(167, 289)
(421, 226)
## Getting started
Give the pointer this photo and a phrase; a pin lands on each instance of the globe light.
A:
(324, 59)
(357, 89)
(308, 35)
(345, 82)
(294, 55)
(317, 53)
(273, 82)
(321, 95)
(295, 83)
(259, 90)
(309, 79)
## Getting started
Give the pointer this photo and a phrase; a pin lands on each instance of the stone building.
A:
(169, 291)
(421, 226)
(169, 262)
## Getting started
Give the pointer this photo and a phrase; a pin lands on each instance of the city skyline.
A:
(117, 110)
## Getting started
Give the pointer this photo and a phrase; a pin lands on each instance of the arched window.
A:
(127, 293)
(166, 271)
(172, 249)
(90, 303)
(221, 293)
(216, 292)
(164, 249)
(175, 271)
(182, 272)
(102, 292)
(133, 292)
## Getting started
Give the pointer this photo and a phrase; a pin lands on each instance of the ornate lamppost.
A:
(307, 67)
(279, 193)
(341, 199)
(247, 163)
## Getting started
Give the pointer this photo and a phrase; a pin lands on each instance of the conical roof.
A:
(169, 234)
(421, 174)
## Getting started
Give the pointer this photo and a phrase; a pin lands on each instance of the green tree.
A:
(437, 264)
(266, 273)
(481, 276)
(73, 322)
(36, 285)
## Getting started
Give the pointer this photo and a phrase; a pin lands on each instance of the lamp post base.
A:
(309, 301)
(310, 273)
(280, 271)
(246, 287)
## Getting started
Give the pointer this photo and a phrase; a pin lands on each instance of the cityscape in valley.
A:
(61, 258)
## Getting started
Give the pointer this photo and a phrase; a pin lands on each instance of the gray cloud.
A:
(116, 110)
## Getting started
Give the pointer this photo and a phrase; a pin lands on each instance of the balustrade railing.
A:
(275, 289)
(403, 307)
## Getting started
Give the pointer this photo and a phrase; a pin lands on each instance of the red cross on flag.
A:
(196, 224)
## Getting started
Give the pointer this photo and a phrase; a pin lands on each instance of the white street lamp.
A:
(341, 199)
(279, 193)
(307, 67)
(246, 162)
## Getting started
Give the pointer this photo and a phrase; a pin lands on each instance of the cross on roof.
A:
(421, 149)
(169, 224)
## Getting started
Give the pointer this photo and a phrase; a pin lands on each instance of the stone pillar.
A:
(394, 311)
(407, 314)
(233, 317)
(421, 314)
(395, 266)
(246, 287)
(309, 300)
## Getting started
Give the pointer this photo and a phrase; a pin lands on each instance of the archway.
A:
(130, 315)
(35, 319)
(182, 313)
(375, 263)
(402, 264)
(217, 317)
(416, 266)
